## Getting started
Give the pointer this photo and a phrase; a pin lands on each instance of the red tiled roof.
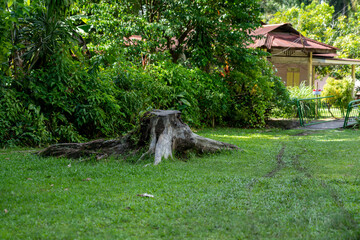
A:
(132, 40)
(285, 36)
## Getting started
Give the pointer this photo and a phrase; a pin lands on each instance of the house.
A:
(296, 56)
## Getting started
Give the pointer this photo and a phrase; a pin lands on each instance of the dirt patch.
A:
(305, 133)
(296, 164)
(279, 163)
(283, 123)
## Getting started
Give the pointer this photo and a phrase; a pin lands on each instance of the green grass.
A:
(283, 185)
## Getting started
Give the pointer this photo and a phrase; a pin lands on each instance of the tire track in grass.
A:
(252, 220)
(280, 164)
(297, 165)
(344, 219)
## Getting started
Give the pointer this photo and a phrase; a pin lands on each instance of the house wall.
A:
(282, 70)
(320, 82)
(283, 64)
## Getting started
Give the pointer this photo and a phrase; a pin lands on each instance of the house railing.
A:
(352, 113)
(316, 110)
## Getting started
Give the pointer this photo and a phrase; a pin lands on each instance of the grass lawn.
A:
(289, 184)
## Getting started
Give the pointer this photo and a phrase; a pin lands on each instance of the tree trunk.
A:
(162, 131)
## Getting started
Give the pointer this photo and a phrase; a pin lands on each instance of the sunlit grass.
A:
(311, 191)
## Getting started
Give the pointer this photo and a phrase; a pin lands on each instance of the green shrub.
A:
(342, 91)
(201, 97)
(240, 99)
(62, 103)
(301, 92)
(254, 95)
(296, 93)
(20, 124)
(69, 102)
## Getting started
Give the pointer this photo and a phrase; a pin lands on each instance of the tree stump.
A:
(162, 131)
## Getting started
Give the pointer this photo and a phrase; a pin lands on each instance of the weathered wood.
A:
(311, 80)
(162, 131)
(290, 60)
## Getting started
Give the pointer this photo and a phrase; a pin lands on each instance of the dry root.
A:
(162, 130)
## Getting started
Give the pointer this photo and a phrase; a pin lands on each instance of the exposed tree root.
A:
(161, 130)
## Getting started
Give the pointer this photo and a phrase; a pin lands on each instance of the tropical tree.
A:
(189, 55)
(203, 33)
(33, 32)
(270, 7)
(314, 21)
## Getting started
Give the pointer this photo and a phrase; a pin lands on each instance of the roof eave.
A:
(334, 61)
(307, 50)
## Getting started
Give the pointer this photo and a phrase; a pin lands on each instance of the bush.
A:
(19, 124)
(296, 93)
(69, 102)
(301, 92)
(342, 91)
(201, 97)
(254, 95)
(239, 99)
(62, 103)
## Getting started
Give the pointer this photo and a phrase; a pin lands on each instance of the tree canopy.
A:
(83, 69)
(199, 32)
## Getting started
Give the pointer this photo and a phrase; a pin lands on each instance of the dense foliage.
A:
(290, 110)
(64, 103)
(270, 7)
(72, 70)
(77, 70)
(342, 90)
(254, 94)
(200, 33)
